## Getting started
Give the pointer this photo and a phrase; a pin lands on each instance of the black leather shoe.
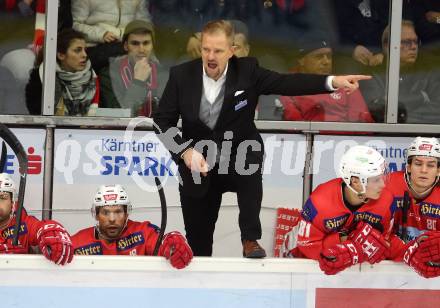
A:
(251, 249)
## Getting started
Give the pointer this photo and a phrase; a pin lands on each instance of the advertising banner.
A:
(33, 143)
(85, 159)
(328, 150)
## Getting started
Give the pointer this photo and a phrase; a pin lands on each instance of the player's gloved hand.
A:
(423, 254)
(55, 242)
(11, 249)
(373, 245)
(176, 249)
(337, 258)
(429, 246)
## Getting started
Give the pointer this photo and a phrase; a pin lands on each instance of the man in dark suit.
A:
(220, 148)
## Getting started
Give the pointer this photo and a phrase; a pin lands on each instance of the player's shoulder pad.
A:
(395, 178)
(387, 198)
(309, 211)
(324, 192)
(85, 231)
(152, 226)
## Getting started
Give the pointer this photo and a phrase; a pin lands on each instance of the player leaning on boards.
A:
(347, 220)
(417, 218)
(50, 236)
(115, 234)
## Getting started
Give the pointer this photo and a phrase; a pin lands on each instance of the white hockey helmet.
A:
(362, 162)
(422, 146)
(110, 195)
(8, 185)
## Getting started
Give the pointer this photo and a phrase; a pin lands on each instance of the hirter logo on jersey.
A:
(91, 249)
(334, 224)
(429, 209)
(110, 197)
(368, 217)
(130, 241)
(9, 232)
(425, 147)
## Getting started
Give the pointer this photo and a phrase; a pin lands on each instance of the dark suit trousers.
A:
(200, 214)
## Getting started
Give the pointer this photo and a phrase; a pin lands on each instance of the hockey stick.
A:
(405, 208)
(3, 157)
(163, 222)
(19, 151)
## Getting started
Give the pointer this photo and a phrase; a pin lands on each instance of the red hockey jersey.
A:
(27, 233)
(324, 217)
(138, 238)
(337, 106)
(423, 215)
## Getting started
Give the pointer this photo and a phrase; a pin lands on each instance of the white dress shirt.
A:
(212, 87)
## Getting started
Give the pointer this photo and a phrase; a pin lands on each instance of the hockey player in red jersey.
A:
(348, 220)
(417, 200)
(51, 237)
(115, 234)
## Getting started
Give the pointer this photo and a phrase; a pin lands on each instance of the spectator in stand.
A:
(241, 41)
(361, 24)
(132, 80)
(419, 91)
(76, 84)
(317, 58)
(103, 23)
(241, 38)
(11, 93)
(25, 8)
(427, 20)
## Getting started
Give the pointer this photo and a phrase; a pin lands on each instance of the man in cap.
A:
(316, 57)
(131, 81)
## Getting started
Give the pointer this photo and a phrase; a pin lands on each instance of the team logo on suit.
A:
(240, 104)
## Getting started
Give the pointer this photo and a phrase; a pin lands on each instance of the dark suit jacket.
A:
(245, 82)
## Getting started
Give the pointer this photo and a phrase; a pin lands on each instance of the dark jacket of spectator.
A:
(75, 93)
(120, 90)
(427, 19)
(419, 94)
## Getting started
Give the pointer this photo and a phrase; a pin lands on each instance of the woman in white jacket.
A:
(103, 22)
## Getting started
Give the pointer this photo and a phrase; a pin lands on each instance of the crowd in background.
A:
(322, 37)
